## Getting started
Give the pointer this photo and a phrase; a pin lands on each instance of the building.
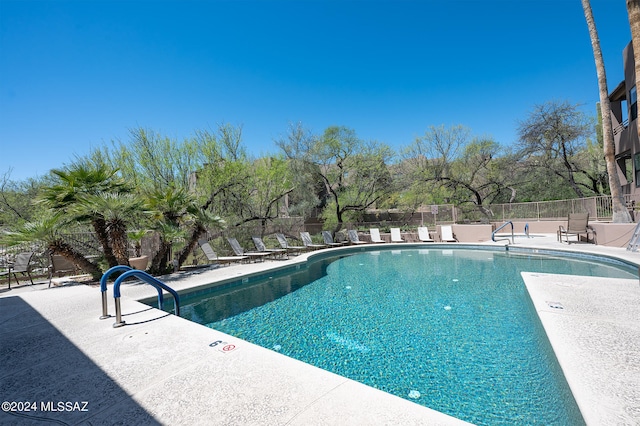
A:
(624, 113)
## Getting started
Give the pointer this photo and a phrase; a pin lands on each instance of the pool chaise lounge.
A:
(328, 240)
(375, 235)
(239, 251)
(308, 243)
(353, 237)
(446, 234)
(396, 237)
(213, 257)
(262, 248)
(423, 234)
(282, 240)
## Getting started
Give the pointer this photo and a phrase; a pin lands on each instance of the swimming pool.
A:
(451, 329)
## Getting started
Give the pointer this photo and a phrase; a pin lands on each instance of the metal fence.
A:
(552, 210)
(84, 242)
(599, 209)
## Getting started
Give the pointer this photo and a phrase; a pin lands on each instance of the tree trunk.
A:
(620, 213)
(198, 231)
(119, 242)
(633, 10)
(339, 218)
(100, 228)
(159, 261)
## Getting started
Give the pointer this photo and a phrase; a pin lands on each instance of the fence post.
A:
(593, 207)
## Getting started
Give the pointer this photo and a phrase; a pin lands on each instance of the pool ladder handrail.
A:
(493, 234)
(130, 272)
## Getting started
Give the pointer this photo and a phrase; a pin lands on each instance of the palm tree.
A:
(115, 210)
(81, 191)
(201, 220)
(168, 208)
(177, 217)
(46, 229)
(620, 213)
(170, 234)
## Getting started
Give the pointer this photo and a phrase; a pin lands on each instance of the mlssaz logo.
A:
(53, 406)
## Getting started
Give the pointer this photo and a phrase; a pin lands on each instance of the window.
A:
(628, 169)
(633, 104)
(625, 163)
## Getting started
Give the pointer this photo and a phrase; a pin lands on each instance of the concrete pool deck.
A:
(162, 369)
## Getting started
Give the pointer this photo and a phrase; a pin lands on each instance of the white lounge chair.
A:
(446, 234)
(396, 237)
(423, 234)
(375, 236)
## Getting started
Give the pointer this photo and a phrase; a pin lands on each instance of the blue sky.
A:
(78, 74)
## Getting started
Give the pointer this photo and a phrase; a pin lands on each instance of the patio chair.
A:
(396, 236)
(214, 258)
(282, 240)
(239, 251)
(261, 247)
(328, 239)
(22, 264)
(446, 234)
(60, 266)
(375, 235)
(306, 240)
(577, 224)
(423, 234)
(353, 237)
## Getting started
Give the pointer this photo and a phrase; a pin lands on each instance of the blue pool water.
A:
(453, 330)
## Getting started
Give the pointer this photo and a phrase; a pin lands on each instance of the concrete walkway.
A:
(73, 368)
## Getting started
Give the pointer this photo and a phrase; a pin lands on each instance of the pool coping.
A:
(596, 339)
(250, 381)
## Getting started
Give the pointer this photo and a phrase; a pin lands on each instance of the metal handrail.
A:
(103, 287)
(493, 234)
(159, 285)
(130, 272)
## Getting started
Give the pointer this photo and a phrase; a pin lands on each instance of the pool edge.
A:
(583, 318)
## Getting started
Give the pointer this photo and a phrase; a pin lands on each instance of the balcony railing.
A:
(620, 127)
